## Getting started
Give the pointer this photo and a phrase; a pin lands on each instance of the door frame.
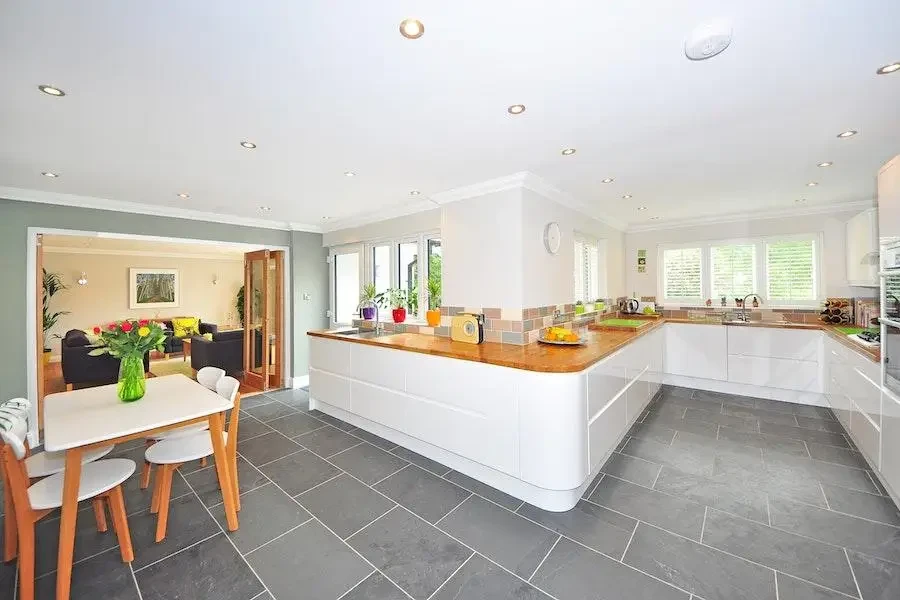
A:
(31, 299)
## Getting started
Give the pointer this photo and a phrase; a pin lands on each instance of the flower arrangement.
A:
(128, 341)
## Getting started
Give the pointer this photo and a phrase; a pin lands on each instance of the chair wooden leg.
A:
(9, 531)
(145, 470)
(67, 518)
(26, 562)
(154, 502)
(69, 387)
(100, 514)
(203, 462)
(120, 523)
(235, 485)
(162, 517)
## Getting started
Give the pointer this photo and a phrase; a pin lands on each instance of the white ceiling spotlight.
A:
(827, 163)
(516, 109)
(248, 145)
(654, 218)
(889, 68)
(50, 174)
(800, 200)
(349, 174)
(51, 91)
(412, 29)
(265, 208)
(568, 152)
(184, 196)
(607, 180)
(414, 192)
(708, 40)
(812, 184)
(642, 208)
(848, 133)
(626, 197)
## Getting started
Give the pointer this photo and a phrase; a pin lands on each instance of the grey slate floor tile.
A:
(333, 421)
(368, 463)
(299, 472)
(791, 588)
(205, 482)
(573, 571)
(210, 569)
(630, 468)
(761, 440)
(861, 504)
(672, 513)
(103, 576)
(266, 448)
(699, 569)
(483, 490)
(594, 526)
(376, 587)
(478, 579)
(836, 455)
(421, 461)
(266, 513)
(799, 556)
(294, 424)
(807, 435)
(876, 578)
(373, 439)
(345, 505)
(506, 538)
(718, 492)
(327, 441)
(308, 562)
(249, 428)
(424, 493)
(689, 460)
(189, 522)
(410, 552)
(268, 412)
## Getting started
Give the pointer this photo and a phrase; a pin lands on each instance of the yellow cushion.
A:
(207, 336)
(186, 326)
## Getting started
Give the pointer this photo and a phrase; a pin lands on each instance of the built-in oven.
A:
(890, 325)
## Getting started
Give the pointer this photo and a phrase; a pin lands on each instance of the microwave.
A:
(890, 257)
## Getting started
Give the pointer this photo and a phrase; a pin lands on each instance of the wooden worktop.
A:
(557, 359)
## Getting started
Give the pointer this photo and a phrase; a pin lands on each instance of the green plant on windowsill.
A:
(599, 304)
(396, 300)
(579, 308)
(368, 298)
(433, 316)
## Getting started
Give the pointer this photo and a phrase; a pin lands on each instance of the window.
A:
(381, 267)
(434, 266)
(345, 285)
(791, 271)
(590, 270)
(783, 270)
(732, 270)
(682, 278)
(408, 274)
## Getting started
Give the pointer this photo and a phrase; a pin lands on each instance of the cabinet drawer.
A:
(605, 381)
(775, 372)
(329, 388)
(890, 443)
(637, 396)
(696, 351)
(866, 437)
(606, 429)
(774, 343)
(865, 393)
(330, 355)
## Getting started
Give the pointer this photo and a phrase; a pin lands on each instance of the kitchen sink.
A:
(356, 333)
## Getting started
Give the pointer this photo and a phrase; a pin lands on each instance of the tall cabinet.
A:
(889, 200)
(862, 249)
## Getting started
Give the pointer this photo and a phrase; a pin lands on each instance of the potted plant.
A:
(579, 308)
(239, 303)
(128, 341)
(396, 300)
(599, 304)
(433, 316)
(368, 295)
(52, 285)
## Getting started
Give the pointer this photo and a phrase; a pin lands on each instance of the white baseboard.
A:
(743, 389)
(299, 382)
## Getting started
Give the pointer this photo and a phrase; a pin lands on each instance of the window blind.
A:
(790, 266)
(587, 271)
(682, 274)
(732, 270)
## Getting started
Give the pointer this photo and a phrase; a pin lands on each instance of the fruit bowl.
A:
(560, 336)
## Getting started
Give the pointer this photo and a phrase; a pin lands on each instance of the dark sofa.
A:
(173, 344)
(225, 350)
(79, 367)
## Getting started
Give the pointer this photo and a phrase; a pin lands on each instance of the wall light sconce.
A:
(83, 279)
(215, 279)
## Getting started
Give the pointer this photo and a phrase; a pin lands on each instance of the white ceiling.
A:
(160, 94)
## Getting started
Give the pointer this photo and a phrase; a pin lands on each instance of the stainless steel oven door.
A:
(890, 347)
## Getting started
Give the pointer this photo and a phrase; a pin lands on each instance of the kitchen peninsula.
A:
(537, 421)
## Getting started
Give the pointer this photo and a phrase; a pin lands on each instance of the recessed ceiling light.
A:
(800, 200)
(49, 174)
(325, 218)
(642, 208)
(626, 197)
(411, 29)
(265, 208)
(568, 152)
(183, 195)
(349, 174)
(812, 184)
(607, 180)
(414, 192)
(848, 133)
(827, 163)
(52, 91)
(654, 218)
(889, 68)
(516, 109)
(248, 145)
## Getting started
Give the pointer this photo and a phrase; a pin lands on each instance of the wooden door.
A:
(256, 323)
(39, 325)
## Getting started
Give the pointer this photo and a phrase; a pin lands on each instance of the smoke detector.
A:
(708, 40)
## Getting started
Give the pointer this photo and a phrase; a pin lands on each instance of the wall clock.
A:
(552, 237)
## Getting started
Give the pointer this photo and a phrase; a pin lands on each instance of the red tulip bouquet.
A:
(128, 341)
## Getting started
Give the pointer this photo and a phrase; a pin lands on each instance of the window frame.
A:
(601, 275)
(332, 281)
(761, 276)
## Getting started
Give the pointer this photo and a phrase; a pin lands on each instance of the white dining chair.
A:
(39, 465)
(101, 479)
(208, 377)
(169, 454)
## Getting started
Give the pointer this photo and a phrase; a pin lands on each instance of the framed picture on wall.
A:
(153, 288)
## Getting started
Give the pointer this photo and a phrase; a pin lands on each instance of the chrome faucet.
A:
(367, 303)
(745, 314)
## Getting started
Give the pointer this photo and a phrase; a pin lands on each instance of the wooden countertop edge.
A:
(547, 359)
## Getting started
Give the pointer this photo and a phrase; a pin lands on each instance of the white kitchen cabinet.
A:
(793, 344)
(694, 350)
(867, 437)
(890, 443)
(889, 199)
(782, 373)
(862, 249)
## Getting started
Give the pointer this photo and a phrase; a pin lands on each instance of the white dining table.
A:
(88, 418)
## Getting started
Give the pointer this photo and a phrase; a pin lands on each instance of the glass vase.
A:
(132, 384)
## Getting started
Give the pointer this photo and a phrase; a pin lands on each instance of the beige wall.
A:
(105, 297)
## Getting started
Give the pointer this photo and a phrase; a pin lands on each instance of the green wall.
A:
(308, 267)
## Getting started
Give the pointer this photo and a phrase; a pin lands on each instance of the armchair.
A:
(79, 367)
(225, 351)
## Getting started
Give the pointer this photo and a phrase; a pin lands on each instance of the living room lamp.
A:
(83, 279)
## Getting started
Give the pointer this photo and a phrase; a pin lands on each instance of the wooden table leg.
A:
(224, 470)
(67, 521)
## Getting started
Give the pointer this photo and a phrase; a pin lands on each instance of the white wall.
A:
(832, 226)
(389, 228)
(482, 242)
(105, 297)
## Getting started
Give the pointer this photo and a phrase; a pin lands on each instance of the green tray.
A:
(854, 330)
(635, 323)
